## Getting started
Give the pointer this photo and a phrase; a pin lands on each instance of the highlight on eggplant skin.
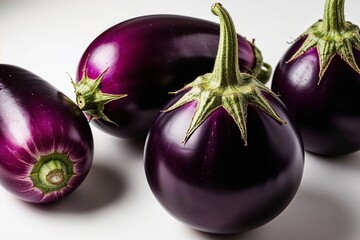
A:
(46, 144)
(139, 61)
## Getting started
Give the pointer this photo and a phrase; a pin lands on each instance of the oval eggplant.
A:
(126, 73)
(225, 156)
(46, 144)
(318, 79)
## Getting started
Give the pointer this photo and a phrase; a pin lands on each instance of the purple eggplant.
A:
(225, 155)
(318, 79)
(46, 144)
(125, 74)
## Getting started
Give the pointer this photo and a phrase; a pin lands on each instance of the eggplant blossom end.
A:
(52, 172)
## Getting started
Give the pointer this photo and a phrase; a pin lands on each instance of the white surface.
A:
(49, 37)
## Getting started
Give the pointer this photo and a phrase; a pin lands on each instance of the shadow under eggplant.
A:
(102, 187)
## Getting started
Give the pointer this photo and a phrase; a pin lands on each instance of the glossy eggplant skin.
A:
(213, 182)
(148, 57)
(38, 120)
(328, 113)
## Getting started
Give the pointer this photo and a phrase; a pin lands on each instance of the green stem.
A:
(332, 36)
(91, 99)
(334, 16)
(226, 66)
(226, 86)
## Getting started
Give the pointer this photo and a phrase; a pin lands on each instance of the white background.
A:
(115, 202)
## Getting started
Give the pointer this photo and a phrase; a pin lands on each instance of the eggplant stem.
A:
(91, 99)
(261, 70)
(334, 16)
(226, 86)
(330, 36)
(265, 73)
(226, 68)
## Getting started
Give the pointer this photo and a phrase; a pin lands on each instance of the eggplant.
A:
(46, 143)
(318, 79)
(126, 73)
(224, 156)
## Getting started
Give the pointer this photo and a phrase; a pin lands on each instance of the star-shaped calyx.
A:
(330, 36)
(89, 97)
(226, 86)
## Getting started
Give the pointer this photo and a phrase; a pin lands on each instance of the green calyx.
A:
(52, 172)
(90, 99)
(262, 70)
(330, 36)
(226, 86)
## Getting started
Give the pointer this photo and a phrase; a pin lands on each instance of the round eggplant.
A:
(318, 79)
(225, 155)
(46, 144)
(125, 75)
